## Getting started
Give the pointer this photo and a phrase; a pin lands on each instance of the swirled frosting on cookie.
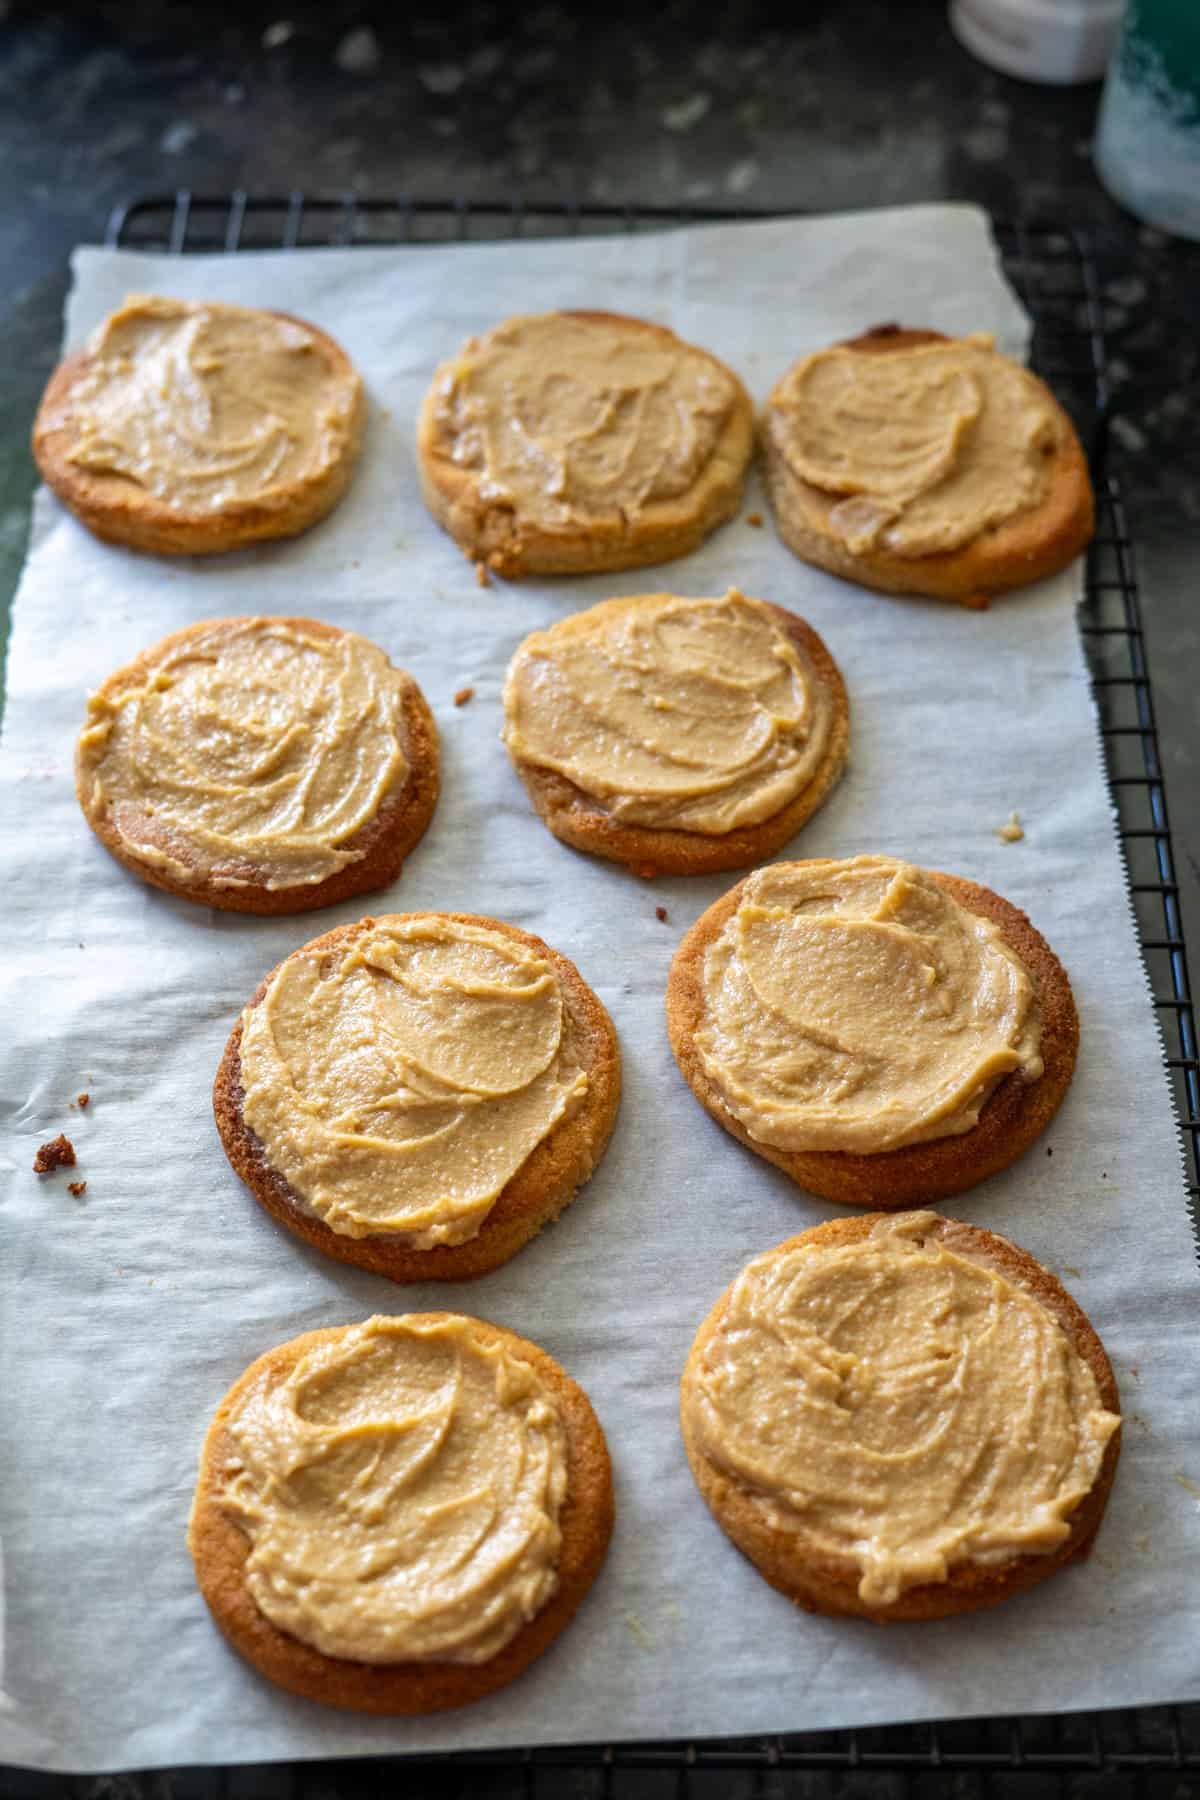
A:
(898, 1402)
(246, 751)
(574, 417)
(916, 450)
(206, 406)
(693, 715)
(857, 1006)
(399, 1079)
(401, 1489)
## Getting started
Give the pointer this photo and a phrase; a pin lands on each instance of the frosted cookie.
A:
(886, 1035)
(569, 443)
(264, 765)
(419, 1093)
(901, 1417)
(191, 427)
(921, 464)
(400, 1516)
(677, 736)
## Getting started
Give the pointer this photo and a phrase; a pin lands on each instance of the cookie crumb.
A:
(59, 1153)
(755, 519)
(660, 913)
(1011, 833)
(481, 575)
(77, 1188)
(83, 1100)
(463, 695)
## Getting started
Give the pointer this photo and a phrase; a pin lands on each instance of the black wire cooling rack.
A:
(1152, 1751)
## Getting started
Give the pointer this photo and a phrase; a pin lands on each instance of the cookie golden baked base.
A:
(542, 1187)
(220, 1550)
(1035, 543)
(491, 532)
(116, 509)
(1016, 1112)
(820, 1582)
(381, 847)
(575, 817)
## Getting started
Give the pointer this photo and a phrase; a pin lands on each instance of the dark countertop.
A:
(825, 106)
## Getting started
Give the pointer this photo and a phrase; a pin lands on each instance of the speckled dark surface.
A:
(819, 106)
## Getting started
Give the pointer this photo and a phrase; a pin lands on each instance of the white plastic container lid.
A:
(1053, 41)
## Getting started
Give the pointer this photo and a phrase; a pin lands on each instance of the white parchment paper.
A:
(128, 1313)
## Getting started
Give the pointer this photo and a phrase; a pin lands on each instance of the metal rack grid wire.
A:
(1053, 269)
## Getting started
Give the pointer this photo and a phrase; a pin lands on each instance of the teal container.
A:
(1148, 134)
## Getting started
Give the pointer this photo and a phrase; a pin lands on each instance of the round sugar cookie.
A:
(386, 1134)
(574, 1540)
(260, 765)
(1015, 1112)
(573, 443)
(850, 519)
(191, 427)
(957, 1515)
(714, 806)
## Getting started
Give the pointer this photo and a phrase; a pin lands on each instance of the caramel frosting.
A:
(916, 450)
(398, 1080)
(246, 751)
(693, 715)
(857, 1006)
(572, 417)
(899, 1404)
(401, 1489)
(206, 406)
